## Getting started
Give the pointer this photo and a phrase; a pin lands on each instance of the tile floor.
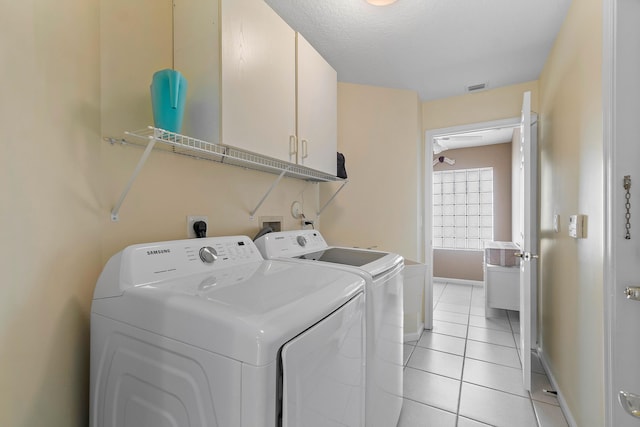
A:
(466, 372)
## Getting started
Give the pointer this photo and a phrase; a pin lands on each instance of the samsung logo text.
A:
(159, 252)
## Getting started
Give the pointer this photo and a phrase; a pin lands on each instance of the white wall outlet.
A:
(191, 234)
(578, 226)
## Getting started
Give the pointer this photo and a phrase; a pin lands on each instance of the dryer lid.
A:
(244, 312)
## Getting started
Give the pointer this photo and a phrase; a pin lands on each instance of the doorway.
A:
(442, 142)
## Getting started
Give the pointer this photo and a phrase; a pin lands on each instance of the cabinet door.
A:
(196, 47)
(317, 109)
(258, 79)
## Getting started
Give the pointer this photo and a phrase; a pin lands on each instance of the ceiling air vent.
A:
(477, 87)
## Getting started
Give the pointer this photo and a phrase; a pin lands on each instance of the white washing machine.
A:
(384, 316)
(204, 332)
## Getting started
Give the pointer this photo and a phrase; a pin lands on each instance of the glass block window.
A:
(462, 208)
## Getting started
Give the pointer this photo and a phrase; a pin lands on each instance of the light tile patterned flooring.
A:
(466, 372)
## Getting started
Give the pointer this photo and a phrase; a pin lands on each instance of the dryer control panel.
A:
(144, 264)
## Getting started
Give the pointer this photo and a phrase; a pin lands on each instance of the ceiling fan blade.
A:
(443, 159)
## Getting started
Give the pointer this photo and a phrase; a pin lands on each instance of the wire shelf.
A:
(199, 149)
(192, 147)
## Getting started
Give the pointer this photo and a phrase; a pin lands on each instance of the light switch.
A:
(577, 226)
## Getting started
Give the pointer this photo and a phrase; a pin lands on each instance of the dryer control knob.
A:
(208, 255)
(302, 241)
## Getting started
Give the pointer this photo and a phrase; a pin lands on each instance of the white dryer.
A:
(204, 332)
(384, 315)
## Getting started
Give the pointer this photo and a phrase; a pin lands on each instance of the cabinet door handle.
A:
(293, 145)
(305, 149)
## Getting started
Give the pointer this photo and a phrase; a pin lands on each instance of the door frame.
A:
(430, 135)
(609, 29)
(608, 87)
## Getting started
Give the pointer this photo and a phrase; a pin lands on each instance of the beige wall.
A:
(170, 187)
(378, 132)
(571, 182)
(67, 67)
(50, 209)
(486, 106)
(467, 265)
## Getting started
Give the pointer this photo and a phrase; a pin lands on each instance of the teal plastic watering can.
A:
(168, 96)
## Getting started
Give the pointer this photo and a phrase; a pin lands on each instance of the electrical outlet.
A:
(191, 234)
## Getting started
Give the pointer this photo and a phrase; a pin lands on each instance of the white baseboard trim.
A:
(459, 281)
(563, 403)
(414, 336)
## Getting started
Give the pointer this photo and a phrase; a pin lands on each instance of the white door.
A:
(528, 238)
(622, 255)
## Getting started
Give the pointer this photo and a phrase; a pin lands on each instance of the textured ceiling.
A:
(434, 47)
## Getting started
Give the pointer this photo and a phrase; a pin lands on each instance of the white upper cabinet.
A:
(258, 79)
(244, 66)
(317, 109)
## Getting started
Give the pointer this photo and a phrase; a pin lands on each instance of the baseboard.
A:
(459, 281)
(563, 403)
(414, 336)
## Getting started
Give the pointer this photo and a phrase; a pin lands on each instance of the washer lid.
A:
(310, 245)
(246, 312)
(345, 256)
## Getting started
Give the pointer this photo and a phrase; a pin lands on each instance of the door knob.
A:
(518, 254)
(630, 402)
(632, 292)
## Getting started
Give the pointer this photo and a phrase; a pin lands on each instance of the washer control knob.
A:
(208, 255)
(302, 241)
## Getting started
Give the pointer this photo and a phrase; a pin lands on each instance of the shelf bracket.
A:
(275, 183)
(331, 198)
(191, 147)
(116, 209)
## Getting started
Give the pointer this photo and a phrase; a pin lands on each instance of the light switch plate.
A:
(577, 226)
